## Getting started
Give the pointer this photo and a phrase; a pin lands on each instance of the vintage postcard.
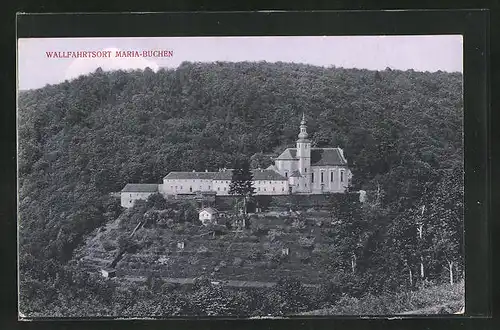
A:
(240, 176)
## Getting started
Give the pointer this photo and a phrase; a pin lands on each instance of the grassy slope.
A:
(436, 299)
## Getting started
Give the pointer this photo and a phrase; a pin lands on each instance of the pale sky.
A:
(420, 53)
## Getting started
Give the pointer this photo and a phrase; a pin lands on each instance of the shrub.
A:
(255, 254)
(274, 234)
(304, 257)
(271, 264)
(108, 245)
(157, 201)
(194, 260)
(238, 262)
(306, 242)
(203, 251)
(124, 242)
(259, 230)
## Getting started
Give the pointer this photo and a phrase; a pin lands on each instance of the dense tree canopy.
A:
(401, 131)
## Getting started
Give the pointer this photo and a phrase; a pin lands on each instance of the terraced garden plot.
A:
(247, 255)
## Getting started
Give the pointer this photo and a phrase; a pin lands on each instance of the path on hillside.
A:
(230, 283)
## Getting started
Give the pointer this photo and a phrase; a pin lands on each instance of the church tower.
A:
(304, 156)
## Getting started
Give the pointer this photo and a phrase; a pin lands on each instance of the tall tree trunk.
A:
(422, 273)
(378, 193)
(410, 276)
(353, 263)
(245, 205)
(450, 268)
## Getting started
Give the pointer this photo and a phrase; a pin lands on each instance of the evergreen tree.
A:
(241, 183)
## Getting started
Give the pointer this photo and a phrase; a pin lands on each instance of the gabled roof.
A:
(267, 175)
(190, 175)
(226, 174)
(272, 168)
(140, 187)
(327, 156)
(296, 174)
(319, 156)
(210, 210)
(288, 154)
(258, 174)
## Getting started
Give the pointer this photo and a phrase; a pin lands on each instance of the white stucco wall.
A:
(273, 187)
(337, 185)
(128, 198)
(185, 186)
(221, 187)
(286, 167)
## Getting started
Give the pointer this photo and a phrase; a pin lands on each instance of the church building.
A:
(313, 170)
(300, 170)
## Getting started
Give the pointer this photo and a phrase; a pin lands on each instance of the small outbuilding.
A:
(108, 272)
(208, 215)
(136, 191)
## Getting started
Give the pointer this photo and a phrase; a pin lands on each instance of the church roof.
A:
(190, 175)
(272, 168)
(258, 174)
(140, 187)
(267, 175)
(319, 156)
(296, 174)
(327, 156)
(288, 154)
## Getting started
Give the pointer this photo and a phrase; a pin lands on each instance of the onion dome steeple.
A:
(303, 128)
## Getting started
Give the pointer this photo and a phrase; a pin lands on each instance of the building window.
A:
(265, 189)
(331, 176)
(171, 188)
(259, 188)
(283, 189)
(342, 176)
(305, 169)
(274, 189)
(312, 177)
(208, 187)
(224, 188)
(322, 177)
(181, 187)
(286, 174)
(130, 195)
(218, 188)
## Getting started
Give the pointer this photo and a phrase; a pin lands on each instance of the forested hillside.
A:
(401, 132)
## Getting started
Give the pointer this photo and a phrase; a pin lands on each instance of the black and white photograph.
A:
(240, 177)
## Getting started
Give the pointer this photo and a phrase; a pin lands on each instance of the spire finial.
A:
(303, 130)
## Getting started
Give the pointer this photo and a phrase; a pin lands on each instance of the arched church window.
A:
(305, 169)
(342, 176)
(322, 177)
(312, 177)
(331, 176)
